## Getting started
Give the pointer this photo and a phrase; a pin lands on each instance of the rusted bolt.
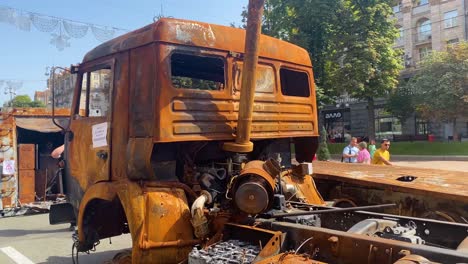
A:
(387, 251)
(251, 197)
(375, 249)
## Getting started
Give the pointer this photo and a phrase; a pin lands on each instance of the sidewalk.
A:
(337, 157)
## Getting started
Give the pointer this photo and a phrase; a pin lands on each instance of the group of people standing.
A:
(367, 154)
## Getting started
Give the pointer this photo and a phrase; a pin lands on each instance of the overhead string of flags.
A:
(61, 30)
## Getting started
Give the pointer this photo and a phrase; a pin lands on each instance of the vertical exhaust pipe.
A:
(242, 143)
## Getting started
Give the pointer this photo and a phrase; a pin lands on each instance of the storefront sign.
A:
(333, 115)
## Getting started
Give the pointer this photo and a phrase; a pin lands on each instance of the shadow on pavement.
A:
(24, 232)
(93, 257)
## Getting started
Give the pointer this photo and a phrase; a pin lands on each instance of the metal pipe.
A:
(163, 244)
(242, 143)
(334, 210)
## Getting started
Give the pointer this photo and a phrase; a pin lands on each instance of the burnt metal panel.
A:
(191, 33)
(192, 114)
(26, 186)
(142, 76)
(433, 193)
(27, 157)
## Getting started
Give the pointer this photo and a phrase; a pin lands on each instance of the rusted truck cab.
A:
(154, 106)
(158, 146)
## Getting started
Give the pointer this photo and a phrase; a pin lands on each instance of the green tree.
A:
(361, 60)
(323, 153)
(37, 104)
(440, 86)
(21, 101)
(401, 102)
(25, 101)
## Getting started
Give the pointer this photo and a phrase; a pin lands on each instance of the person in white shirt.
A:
(350, 152)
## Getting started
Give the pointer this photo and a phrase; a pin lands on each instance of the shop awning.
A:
(40, 124)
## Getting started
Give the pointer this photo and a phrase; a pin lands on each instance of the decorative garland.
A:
(61, 29)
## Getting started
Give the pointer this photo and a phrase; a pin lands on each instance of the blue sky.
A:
(24, 55)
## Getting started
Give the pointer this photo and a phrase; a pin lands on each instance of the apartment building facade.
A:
(424, 26)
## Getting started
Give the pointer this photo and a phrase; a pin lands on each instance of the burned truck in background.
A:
(173, 149)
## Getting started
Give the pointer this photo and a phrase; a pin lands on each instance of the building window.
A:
(294, 83)
(197, 72)
(452, 42)
(421, 2)
(401, 34)
(397, 8)
(421, 127)
(337, 124)
(385, 124)
(424, 30)
(450, 19)
(424, 52)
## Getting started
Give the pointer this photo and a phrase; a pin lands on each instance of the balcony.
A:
(421, 9)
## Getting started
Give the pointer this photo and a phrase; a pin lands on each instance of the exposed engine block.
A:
(230, 251)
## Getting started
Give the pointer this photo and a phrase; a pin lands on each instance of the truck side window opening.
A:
(99, 93)
(294, 83)
(265, 78)
(197, 72)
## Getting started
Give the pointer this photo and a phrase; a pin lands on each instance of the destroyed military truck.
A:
(197, 139)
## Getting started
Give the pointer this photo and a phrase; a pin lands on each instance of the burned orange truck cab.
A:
(151, 112)
(162, 144)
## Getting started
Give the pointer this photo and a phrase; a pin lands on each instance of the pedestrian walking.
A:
(350, 152)
(363, 155)
(372, 147)
(382, 155)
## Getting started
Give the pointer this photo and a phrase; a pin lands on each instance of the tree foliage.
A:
(401, 102)
(440, 87)
(361, 60)
(25, 101)
(323, 153)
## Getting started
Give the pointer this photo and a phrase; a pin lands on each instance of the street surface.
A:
(24, 238)
(439, 165)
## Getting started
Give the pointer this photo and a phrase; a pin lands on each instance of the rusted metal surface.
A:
(26, 186)
(85, 163)
(244, 123)
(27, 160)
(436, 194)
(289, 258)
(203, 35)
(334, 246)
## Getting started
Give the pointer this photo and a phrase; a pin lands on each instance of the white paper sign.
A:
(8, 167)
(100, 135)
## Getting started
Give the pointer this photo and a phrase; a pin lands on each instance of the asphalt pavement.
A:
(30, 239)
